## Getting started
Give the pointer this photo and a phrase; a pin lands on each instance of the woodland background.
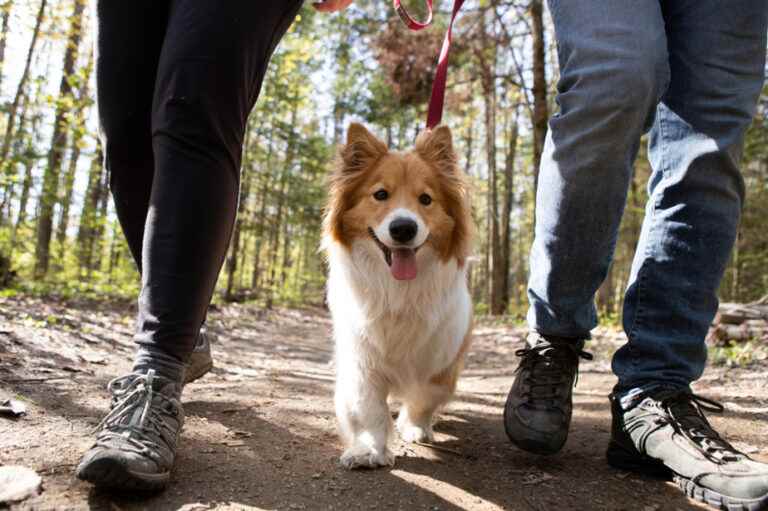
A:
(59, 234)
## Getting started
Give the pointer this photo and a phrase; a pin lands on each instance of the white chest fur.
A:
(406, 331)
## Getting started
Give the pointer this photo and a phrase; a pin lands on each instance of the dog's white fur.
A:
(391, 338)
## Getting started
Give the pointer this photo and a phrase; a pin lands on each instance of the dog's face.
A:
(403, 205)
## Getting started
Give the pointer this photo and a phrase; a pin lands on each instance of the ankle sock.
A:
(164, 364)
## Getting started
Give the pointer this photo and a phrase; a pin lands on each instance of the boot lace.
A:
(547, 367)
(686, 413)
(137, 416)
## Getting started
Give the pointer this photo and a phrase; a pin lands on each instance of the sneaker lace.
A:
(686, 410)
(142, 431)
(548, 366)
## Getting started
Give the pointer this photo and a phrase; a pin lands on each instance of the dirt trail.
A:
(260, 429)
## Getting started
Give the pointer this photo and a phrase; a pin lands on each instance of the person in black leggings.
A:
(176, 80)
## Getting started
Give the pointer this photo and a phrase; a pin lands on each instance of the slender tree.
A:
(49, 193)
(234, 247)
(13, 110)
(506, 208)
(78, 130)
(5, 14)
(540, 111)
(90, 214)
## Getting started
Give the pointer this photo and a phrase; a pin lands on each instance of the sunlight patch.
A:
(448, 492)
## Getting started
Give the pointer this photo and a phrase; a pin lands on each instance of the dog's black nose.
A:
(403, 230)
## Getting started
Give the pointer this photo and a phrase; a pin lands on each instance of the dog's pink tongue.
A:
(403, 264)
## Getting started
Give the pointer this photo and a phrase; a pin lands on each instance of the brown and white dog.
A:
(397, 232)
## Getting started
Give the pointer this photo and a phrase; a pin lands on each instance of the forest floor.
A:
(260, 430)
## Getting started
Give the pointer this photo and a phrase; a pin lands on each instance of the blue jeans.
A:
(690, 71)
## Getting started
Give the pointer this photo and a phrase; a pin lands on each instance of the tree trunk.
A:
(12, 111)
(496, 275)
(48, 197)
(78, 130)
(262, 216)
(88, 231)
(540, 114)
(242, 201)
(286, 254)
(506, 209)
(22, 142)
(6, 15)
(468, 144)
(284, 177)
(100, 239)
(605, 294)
(274, 238)
(26, 184)
(114, 252)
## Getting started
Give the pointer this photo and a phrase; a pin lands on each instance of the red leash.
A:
(436, 100)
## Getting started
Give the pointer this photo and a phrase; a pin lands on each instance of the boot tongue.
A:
(403, 264)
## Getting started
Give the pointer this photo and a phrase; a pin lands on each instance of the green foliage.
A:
(739, 354)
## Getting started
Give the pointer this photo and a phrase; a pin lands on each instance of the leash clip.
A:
(408, 20)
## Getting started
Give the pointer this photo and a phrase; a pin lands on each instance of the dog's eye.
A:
(425, 199)
(381, 195)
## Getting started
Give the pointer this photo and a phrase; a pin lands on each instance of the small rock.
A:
(13, 408)
(18, 483)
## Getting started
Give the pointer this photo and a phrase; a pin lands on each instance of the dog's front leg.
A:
(363, 415)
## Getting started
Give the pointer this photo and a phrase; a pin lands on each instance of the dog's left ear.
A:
(436, 146)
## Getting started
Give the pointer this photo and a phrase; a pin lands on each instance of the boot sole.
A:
(107, 473)
(619, 457)
(202, 371)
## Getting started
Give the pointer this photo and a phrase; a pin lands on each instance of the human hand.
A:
(331, 5)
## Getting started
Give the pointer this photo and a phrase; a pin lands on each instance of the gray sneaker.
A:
(537, 414)
(136, 443)
(200, 362)
(664, 432)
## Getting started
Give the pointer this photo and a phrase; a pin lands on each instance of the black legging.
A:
(176, 80)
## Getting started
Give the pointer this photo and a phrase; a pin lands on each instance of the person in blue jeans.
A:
(689, 72)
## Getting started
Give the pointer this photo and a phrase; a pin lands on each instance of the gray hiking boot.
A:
(664, 432)
(537, 414)
(136, 443)
(200, 361)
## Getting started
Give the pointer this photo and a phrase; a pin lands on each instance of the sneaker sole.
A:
(619, 457)
(718, 500)
(107, 473)
(540, 447)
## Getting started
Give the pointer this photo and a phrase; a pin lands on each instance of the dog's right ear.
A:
(362, 149)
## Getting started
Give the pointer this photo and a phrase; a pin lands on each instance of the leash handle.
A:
(437, 98)
(409, 21)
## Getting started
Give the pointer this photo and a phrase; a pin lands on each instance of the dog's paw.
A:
(365, 457)
(414, 433)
